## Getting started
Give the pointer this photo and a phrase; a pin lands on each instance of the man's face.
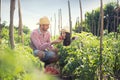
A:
(44, 27)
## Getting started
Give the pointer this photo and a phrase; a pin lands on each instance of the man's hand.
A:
(55, 50)
(41, 54)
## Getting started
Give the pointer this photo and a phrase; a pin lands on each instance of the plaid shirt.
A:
(40, 41)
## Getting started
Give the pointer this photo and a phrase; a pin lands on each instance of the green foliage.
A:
(17, 38)
(26, 30)
(108, 9)
(5, 34)
(118, 28)
(16, 63)
(81, 58)
(92, 24)
(20, 64)
(111, 55)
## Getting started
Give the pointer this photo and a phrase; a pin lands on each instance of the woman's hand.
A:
(56, 41)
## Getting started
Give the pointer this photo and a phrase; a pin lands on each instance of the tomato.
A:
(61, 38)
(51, 70)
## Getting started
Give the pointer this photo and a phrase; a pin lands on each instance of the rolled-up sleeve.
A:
(37, 43)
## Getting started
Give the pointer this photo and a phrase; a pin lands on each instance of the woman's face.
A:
(63, 34)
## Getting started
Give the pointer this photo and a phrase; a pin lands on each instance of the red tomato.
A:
(61, 38)
(51, 70)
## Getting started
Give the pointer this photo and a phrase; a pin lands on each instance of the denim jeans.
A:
(48, 54)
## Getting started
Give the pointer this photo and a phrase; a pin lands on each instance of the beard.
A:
(44, 29)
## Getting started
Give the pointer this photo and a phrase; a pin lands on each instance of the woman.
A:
(64, 38)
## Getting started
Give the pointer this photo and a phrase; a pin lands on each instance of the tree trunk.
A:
(117, 23)
(93, 22)
(92, 31)
(98, 29)
(55, 25)
(85, 23)
(70, 22)
(114, 25)
(59, 20)
(92, 27)
(107, 23)
(81, 15)
(117, 3)
(101, 36)
(20, 31)
(0, 22)
(11, 26)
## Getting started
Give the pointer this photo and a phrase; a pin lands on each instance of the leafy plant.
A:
(81, 59)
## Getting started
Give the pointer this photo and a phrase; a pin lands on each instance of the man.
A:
(41, 44)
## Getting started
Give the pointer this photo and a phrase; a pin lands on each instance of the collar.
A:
(39, 31)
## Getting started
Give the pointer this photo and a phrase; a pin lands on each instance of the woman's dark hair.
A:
(67, 39)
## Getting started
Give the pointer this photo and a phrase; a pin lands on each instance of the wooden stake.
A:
(101, 37)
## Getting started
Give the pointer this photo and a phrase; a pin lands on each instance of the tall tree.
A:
(101, 37)
(81, 15)
(109, 16)
(98, 29)
(0, 22)
(59, 20)
(94, 24)
(92, 21)
(117, 22)
(117, 3)
(107, 20)
(70, 22)
(11, 26)
(55, 25)
(117, 17)
(20, 31)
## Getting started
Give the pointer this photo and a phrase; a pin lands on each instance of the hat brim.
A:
(38, 23)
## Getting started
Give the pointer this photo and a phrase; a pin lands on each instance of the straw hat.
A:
(43, 20)
(65, 30)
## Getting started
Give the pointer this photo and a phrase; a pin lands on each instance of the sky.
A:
(33, 10)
